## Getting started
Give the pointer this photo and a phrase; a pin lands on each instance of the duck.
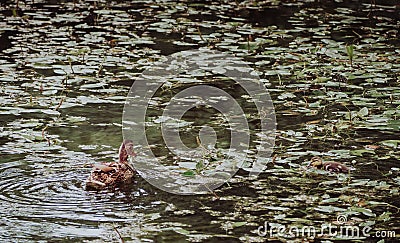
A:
(328, 165)
(113, 174)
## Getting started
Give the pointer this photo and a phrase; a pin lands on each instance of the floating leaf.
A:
(360, 152)
(182, 231)
(329, 209)
(391, 143)
(330, 200)
(385, 216)
(238, 224)
(189, 173)
(363, 112)
(365, 211)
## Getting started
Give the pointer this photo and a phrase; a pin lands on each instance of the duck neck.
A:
(123, 156)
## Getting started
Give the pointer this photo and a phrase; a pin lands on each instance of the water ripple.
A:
(51, 188)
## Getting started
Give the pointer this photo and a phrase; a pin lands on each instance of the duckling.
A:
(328, 165)
(113, 174)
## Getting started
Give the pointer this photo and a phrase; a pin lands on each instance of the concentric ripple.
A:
(48, 194)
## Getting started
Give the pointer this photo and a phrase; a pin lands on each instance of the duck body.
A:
(108, 175)
(113, 174)
(329, 165)
(335, 167)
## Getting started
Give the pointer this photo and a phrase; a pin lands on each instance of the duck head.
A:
(316, 162)
(125, 151)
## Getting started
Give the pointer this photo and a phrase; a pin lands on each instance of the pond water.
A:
(332, 70)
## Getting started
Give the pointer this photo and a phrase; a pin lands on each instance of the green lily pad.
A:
(365, 211)
(391, 143)
(189, 173)
(238, 224)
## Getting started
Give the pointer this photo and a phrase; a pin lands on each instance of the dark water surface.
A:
(66, 68)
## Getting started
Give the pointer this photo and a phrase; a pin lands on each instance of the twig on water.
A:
(44, 136)
(201, 36)
(119, 235)
(59, 105)
(212, 191)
